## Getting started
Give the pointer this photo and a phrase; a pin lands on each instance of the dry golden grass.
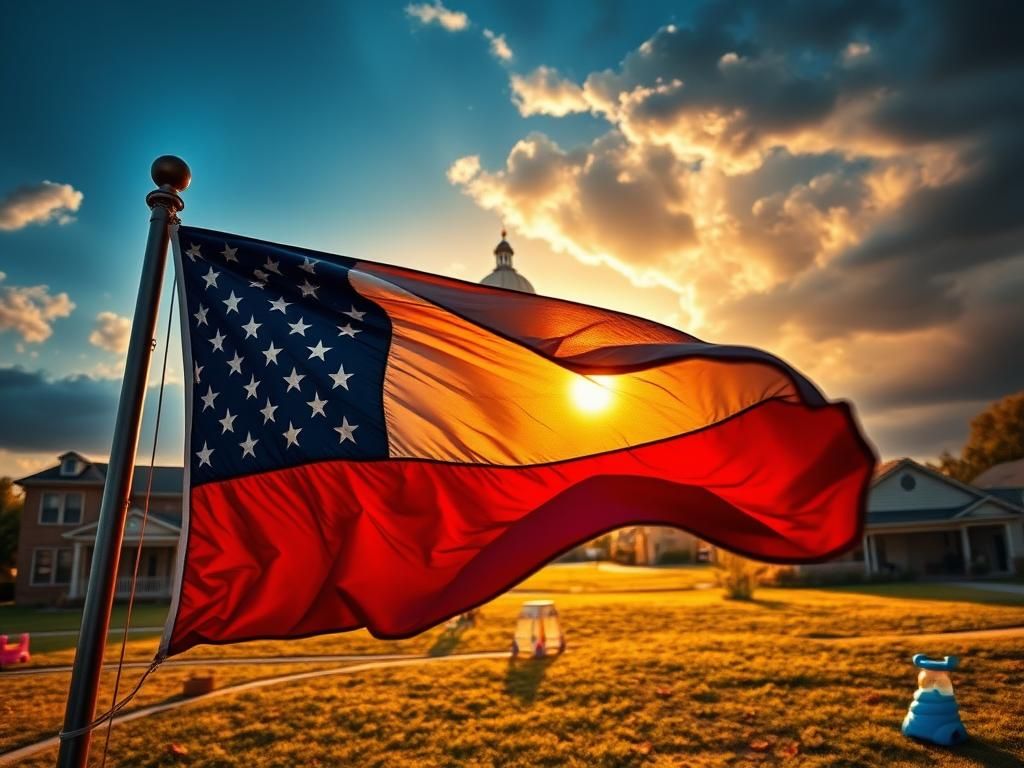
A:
(660, 678)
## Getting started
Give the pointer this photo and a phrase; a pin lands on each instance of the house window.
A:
(51, 509)
(51, 566)
(907, 482)
(69, 466)
(73, 508)
(61, 508)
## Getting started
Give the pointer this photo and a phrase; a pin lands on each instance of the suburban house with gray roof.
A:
(924, 523)
(58, 528)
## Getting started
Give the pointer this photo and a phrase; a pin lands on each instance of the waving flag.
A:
(371, 446)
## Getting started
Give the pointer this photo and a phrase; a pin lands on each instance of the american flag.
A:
(288, 360)
(372, 446)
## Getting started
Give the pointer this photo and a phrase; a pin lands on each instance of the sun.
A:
(592, 394)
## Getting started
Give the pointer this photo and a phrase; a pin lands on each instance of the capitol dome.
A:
(504, 274)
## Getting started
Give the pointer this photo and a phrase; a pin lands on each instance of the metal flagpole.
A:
(172, 176)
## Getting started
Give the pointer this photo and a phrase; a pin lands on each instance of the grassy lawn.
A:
(652, 678)
(925, 591)
(14, 619)
(606, 577)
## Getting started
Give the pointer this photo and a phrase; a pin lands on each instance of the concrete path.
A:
(988, 586)
(17, 755)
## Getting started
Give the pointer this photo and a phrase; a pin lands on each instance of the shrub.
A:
(738, 575)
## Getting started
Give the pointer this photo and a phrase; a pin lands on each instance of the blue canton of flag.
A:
(286, 360)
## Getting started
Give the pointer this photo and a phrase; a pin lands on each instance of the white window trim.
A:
(53, 571)
(61, 507)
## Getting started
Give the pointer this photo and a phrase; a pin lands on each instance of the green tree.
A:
(997, 435)
(11, 503)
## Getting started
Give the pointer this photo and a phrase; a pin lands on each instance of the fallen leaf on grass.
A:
(645, 748)
(759, 745)
(177, 749)
(789, 750)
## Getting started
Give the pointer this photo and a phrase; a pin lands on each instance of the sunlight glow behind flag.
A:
(371, 446)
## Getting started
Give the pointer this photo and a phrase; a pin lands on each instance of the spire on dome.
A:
(504, 274)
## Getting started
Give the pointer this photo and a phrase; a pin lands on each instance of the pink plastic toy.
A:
(14, 654)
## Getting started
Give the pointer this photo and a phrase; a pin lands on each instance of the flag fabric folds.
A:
(372, 446)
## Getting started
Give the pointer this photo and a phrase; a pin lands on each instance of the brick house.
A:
(58, 528)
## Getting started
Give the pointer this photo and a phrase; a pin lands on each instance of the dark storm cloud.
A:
(853, 171)
(39, 414)
(822, 24)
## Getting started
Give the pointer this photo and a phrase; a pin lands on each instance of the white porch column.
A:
(866, 546)
(1011, 554)
(966, 542)
(76, 564)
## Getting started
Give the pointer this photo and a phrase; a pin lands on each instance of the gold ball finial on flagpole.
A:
(171, 171)
(172, 175)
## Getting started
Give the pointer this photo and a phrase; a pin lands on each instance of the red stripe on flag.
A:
(400, 545)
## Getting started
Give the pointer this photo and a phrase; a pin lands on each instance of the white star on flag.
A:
(318, 351)
(268, 411)
(308, 289)
(346, 430)
(232, 303)
(235, 364)
(347, 330)
(251, 327)
(341, 378)
(204, 455)
(280, 305)
(250, 388)
(271, 353)
(218, 341)
(355, 314)
(307, 265)
(193, 252)
(228, 422)
(292, 435)
(247, 445)
(198, 370)
(271, 266)
(209, 397)
(294, 379)
(299, 327)
(229, 253)
(211, 278)
(200, 315)
(317, 405)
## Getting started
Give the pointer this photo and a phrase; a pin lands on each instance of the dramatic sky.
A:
(841, 183)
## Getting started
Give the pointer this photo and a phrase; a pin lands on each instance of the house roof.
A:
(1009, 474)
(166, 480)
(1011, 504)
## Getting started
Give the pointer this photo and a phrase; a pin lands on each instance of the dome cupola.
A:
(504, 274)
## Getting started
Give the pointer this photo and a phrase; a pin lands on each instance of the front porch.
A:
(971, 550)
(156, 559)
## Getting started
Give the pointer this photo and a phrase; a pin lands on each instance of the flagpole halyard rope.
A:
(115, 706)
